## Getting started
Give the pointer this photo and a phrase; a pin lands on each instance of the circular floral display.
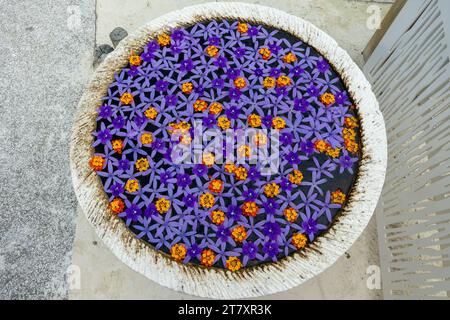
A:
(227, 144)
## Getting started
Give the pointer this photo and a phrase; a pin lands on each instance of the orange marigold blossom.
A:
(207, 257)
(338, 197)
(240, 83)
(117, 205)
(233, 263)
(296, 176)
(162, 205)
(215, 108)
(207, 200)
(146, 138)
(269, 82)
(164, 40)
(351, 122)
(200, 105)
(265, 53)
(126, 98)
(142, 164)
(217, 217)
(351, 146)
(238, 233)
(334, 153)
(290, 57)
(135, 60)
(271, 190)
(97, 162)
(151, 113)
(249, 209)
(299, 240)
(240, 173)
(178, 251)
(117, 145)
(224, 123)
(283, 81)
(187, 87)
(215, 186)
(321, 145)
(290, 214)
(212, 51)
(230, 167)
(254, 120)
(348, 134)
(327, 98)
(208, 159)
(242, 27)
(278, 123)
(132, 185)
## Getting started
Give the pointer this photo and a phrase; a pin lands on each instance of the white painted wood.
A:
(410, 74)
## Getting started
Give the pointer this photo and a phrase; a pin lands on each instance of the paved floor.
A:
(46, 49)
(103, 276)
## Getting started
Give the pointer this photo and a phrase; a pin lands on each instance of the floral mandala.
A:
(228, 75)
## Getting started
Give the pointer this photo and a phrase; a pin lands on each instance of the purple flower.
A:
(217, 83)
(116, 189)
(239, 52)
(232, 112)
(307, 147)
(152, 46)
(164, 177)
(139, 120)
(258, 72)
(296, 71)
(274, 48)
(150, 210)
(133, 72)
(105, 111)
(267, 120)
(271, 248)
(133, 212)
(272, 230)
(199, 89)
(275, 72)
(233, 73)
(285, 184)
(286, 138)
(209, 121)
(234, 212)
(124, 164)
(171, 100)
(194, 251)
(161, 85)
(183, 180)
(147, 56)
(189, 200)
(250, 195)
(186, 65)
(118, 122)
(158, 144)
(253, 174)
(292, 158)
(323, 65)
(223, 233)
(341, 97)
(270, 206)
(213, 41)
(313, 91)
(200, 170)
(220, 62)
(250, 250)
(301, 105)
(178, 35)
(104, 136)
(310, 226)
(252, 31)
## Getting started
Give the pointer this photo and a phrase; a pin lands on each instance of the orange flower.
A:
(151, 113)
(126, 98)
(278, 123)
(269, 82)
(290, 214)
(208, 159)
(338, 197)
(334, 153)
(207, 258)
(240, 173)
(283, 81)
(135, 60)
(244, 151)
(162, 205)
(212, 51)
(164, 40)
(146, 138)
(289, 58)
(249, 209)
(239, 233)
(265, 52)
(132, 185)
(242, 27)
(97, 162)
(142, 164)
(200, 105)
(348, 134)
(224, 123)
(207, 200)
(321, 145)
(178, 251)
(187, 87)
(217, 217)
(327, 98)
(260, 139)
(271, 190)
(299, 240)
(240, 83)
(230, 167)
(215, 186)
(351, 122)
(254, 120)
(117, 205)
(295, 177)
(215, 108)
(351, 146)
(233, 264)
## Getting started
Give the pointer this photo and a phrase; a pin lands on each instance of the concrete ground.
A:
(102, 276)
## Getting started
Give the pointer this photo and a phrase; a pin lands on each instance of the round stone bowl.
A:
(262, 279)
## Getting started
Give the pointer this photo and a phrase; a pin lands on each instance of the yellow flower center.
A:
(271, 190)
(162, 205)
(132, 185)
